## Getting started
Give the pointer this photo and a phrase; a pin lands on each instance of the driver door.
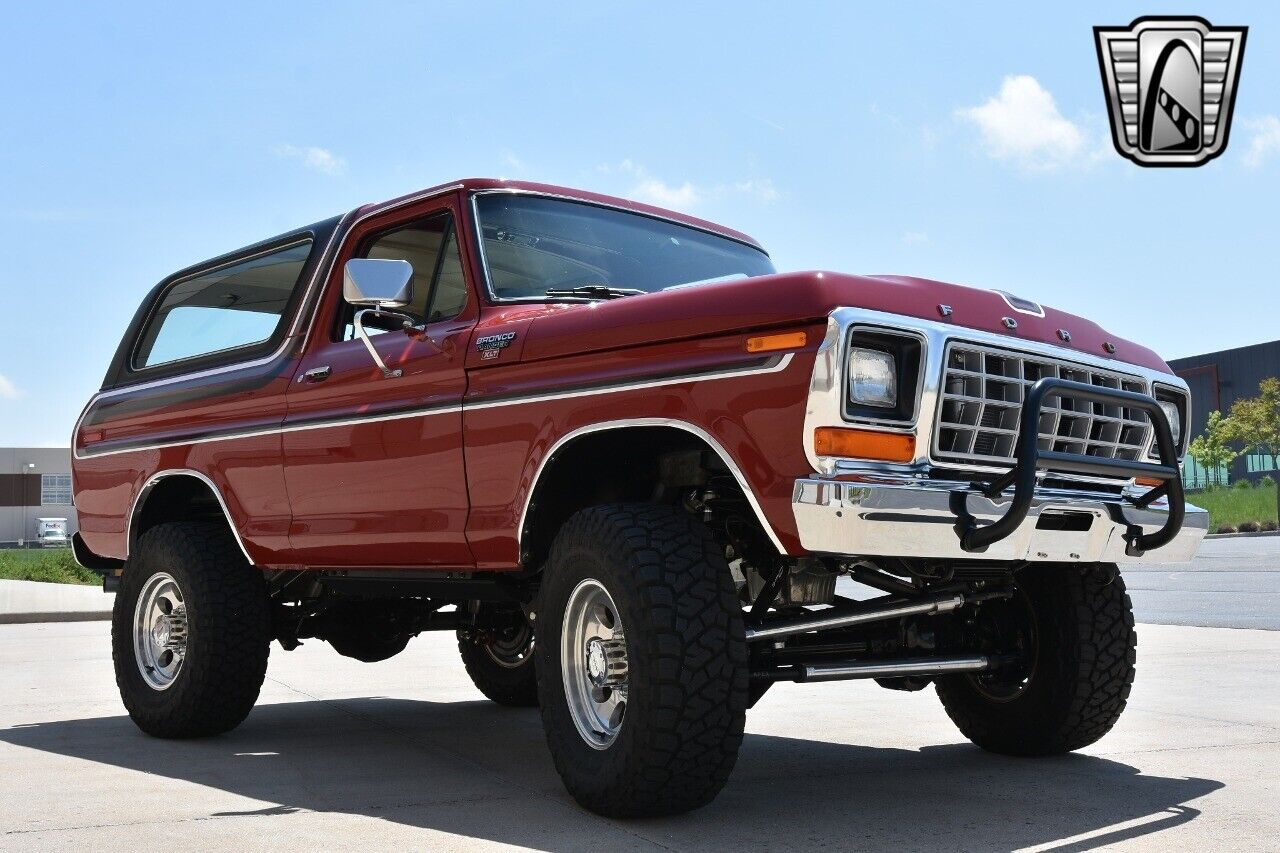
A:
(373, 465)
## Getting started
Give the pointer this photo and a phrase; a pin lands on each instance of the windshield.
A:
(534, 244)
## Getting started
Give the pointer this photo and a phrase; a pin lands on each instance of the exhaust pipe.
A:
(826, 620)
(891, 668)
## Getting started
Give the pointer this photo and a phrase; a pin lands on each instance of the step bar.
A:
(899, 668)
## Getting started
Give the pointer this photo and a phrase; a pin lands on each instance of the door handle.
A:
(316, 374)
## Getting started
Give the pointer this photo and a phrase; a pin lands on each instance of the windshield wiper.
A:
(595, 291)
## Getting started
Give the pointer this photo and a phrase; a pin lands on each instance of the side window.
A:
(430, 245)
(231, 307)
(449, 295)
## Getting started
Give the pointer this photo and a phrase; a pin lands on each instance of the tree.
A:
(1255, 423)
(1212, 449)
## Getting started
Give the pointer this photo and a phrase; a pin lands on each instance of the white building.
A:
(35, 482)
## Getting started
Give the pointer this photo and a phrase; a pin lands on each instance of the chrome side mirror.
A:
(378, 285)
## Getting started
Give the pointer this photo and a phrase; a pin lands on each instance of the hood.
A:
(791, 298)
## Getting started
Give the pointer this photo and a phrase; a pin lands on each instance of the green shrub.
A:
(1242, 483)
(1249, 527)
(52, 565)
(1268, 481)
(1225, 528)
(1269, 525)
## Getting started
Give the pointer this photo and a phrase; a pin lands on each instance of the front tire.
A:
(642, 659)
(190, 632)
(1077, 629)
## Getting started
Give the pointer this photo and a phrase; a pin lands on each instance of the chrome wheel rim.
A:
(593, 664)
(160, 631)
(513, 647)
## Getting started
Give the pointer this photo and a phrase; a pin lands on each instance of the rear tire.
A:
(1081, 670)
(638, 610)
(190, 632)
(503, 668)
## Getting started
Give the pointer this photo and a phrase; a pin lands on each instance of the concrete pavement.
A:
(1232, 583)
(407, 754)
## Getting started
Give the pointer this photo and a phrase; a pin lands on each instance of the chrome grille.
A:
(981, 405)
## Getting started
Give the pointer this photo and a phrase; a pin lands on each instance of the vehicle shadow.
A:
(478, 770)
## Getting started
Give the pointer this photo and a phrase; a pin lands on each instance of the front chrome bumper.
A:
(901, 516)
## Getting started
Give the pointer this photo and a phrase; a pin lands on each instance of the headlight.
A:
(873, 378)
(1176, 406)
(1175, 420)
(882, 376)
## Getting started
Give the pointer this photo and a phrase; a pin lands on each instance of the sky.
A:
(956, 142)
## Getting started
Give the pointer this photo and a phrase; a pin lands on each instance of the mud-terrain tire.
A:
(504, 671)
(1083, 667)
(685, 659)
(227, 626)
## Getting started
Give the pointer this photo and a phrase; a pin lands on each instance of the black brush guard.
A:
(1030, 459)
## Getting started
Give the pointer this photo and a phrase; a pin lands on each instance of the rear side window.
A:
(225, 309)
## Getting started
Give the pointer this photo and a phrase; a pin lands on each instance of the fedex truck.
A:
(52, 532)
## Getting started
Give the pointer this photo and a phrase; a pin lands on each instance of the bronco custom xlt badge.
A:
(492, 345)
(1170, 86)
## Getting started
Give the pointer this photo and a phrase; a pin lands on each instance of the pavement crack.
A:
(270, 812)
(1203, 719)
(1188, 748)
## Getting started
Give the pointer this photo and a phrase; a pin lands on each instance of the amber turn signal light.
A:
(1150, 482)
(864, 444)
(769, 343)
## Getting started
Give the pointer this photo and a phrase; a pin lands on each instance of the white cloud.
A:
(1265, 141)
(317, 159)
(684, 195)
(661, 193)
(761, 188)
(655, 191)
(1022, 125)
(914, 238)
(8, 391)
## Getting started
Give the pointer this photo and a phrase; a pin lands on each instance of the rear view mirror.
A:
(377, 283)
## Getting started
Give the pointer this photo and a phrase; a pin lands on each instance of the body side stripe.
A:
(772, 366)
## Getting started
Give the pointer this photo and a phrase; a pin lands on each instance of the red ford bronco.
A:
(642, 475)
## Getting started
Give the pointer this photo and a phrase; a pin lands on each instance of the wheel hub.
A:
(607, 661)
(1008, 628)
(596, 667)
(510, 648)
